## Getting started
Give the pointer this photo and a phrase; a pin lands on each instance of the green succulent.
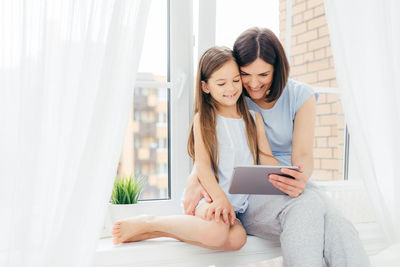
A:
(127, 190)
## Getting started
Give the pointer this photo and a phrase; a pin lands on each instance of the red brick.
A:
(322, 131)
(329, 164)
(319, 43)
(298, 8)
(316, 22)
(319, 10)
(323, 153)
(318, 65)
(307, 36)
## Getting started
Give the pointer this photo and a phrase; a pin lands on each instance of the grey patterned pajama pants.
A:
(309, 228)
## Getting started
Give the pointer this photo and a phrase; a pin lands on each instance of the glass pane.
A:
(330, 136)
(145, 150)
(235, 16)
(155, 47)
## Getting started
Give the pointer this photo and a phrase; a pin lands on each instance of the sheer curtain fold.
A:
(67, 71)
(365, 39)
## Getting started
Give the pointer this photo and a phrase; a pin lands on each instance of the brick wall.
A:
(311, 62)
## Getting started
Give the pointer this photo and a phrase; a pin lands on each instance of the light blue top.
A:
(279, 120)
(233, 151)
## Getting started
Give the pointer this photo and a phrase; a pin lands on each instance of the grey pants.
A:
(309, 228)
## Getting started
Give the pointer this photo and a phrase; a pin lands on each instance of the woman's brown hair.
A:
(262, 43)
(212, 60)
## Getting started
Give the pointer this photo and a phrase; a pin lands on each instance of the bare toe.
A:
(124, 230)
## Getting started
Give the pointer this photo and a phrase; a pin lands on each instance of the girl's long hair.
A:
(212, 60)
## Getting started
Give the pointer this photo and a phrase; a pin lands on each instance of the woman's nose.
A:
(253, 82)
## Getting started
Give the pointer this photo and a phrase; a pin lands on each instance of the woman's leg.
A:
(342, 245)
(308, 227)
(297, 222)
(187, 228)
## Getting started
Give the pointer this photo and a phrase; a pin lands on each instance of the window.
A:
(331, 139)
(160, 107)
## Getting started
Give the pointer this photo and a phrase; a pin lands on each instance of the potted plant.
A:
(125, 194)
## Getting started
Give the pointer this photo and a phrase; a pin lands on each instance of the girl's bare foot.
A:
(126, 229)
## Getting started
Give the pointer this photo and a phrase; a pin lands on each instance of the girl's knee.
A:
(215, 234)
(237, 238)
(236, 242)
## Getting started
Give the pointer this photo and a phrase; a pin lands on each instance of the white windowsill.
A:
(169, 252)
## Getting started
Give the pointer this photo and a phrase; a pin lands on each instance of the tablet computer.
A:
(254, 179)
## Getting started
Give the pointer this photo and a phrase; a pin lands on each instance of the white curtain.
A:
(67, 70)
(365, 39)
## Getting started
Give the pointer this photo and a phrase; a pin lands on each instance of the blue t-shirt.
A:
(279, 120)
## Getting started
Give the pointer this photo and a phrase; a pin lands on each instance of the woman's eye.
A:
(236, 81)
(221, 84)
(243, 74)
(264, 74)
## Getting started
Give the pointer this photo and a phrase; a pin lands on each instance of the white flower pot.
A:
(120, 211)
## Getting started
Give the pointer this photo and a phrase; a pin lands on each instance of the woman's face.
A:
(257, 78)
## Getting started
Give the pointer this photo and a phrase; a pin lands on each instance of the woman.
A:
(308, 227)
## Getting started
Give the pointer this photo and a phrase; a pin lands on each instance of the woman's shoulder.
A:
(297, 87)
(251, 105)
(299, 92)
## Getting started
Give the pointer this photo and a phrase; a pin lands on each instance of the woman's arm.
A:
(302, 151)
(220, 206)
(264, 149)
(303, 136)
(194, 192)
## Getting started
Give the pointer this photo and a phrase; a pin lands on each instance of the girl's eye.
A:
(221, 84)
(236, 81)
(243, 74)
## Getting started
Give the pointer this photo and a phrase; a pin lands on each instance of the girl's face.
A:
(257, 78)
(224, 85)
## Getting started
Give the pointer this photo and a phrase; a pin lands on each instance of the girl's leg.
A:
(191, 229)
(236, 239)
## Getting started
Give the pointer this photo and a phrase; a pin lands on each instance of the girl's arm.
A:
(302, 151)
(264, 150)
(221, 205)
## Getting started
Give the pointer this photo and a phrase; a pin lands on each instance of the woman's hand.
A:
(221, 208)
(193, 194)
(292, 187)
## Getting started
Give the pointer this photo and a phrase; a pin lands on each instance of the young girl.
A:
(223, 134)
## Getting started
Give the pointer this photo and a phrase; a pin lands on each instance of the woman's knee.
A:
(337, 223)
(311, 201)
(308, 207)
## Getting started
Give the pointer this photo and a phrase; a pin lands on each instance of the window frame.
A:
(180, 85)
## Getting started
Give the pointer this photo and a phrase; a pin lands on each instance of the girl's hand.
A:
(221, 208)
(292, 187)
(193, 194)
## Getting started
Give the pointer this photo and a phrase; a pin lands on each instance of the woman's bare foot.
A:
(125, 230)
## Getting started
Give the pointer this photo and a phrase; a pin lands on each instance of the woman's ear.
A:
(204, 87)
